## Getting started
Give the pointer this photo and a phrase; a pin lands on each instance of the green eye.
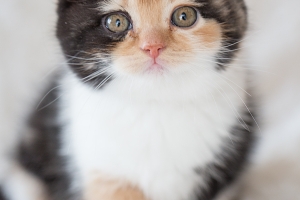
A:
(184, 17)
(117, 23)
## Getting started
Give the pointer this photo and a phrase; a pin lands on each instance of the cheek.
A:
(209, 35)
(179, 43)
(179, 50)
(126, 47)
(127, 57)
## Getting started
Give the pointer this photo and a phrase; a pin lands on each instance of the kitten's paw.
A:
(107, 189)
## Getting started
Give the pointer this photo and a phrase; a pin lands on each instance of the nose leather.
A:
(153, 49)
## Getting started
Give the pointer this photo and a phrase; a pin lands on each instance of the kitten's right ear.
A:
(76, 1)
(65, 4)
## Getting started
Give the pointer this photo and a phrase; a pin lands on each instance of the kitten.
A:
(151, 105)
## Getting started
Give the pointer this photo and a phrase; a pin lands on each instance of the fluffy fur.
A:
(181, 131)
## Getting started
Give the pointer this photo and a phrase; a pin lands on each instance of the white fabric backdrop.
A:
(28, 50)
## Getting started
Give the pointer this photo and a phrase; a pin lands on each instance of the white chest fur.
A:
(156, 145)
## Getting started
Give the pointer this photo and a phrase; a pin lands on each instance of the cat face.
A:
(148, 38)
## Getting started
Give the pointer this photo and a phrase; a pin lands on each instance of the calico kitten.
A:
(151, 104)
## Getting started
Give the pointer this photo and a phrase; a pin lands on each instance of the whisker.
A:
(104, 81)
(50, 103)
(85, 79)
(40, 102)
(94, 75)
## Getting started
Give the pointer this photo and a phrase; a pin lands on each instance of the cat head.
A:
(142, 39)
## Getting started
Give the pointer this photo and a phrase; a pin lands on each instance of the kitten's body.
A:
(154, 142)
(179, 132)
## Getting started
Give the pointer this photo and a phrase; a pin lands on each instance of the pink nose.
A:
(153, 49)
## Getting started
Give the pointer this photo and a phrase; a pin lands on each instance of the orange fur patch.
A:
(107, 189)
(210, 33)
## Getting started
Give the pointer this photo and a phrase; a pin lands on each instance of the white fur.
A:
(153, 135)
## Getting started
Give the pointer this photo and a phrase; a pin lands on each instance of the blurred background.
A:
(29, 53)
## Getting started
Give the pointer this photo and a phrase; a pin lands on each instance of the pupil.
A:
(118, 22)
(183, 16)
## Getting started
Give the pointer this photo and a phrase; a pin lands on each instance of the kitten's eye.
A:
(117, 23)
(184, 17)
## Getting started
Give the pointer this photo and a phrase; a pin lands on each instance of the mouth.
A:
(155, 66)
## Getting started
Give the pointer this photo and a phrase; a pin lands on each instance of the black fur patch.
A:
(41, 154)
(230, 161)
(82, 37)
(2, 195)
(232, 15)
